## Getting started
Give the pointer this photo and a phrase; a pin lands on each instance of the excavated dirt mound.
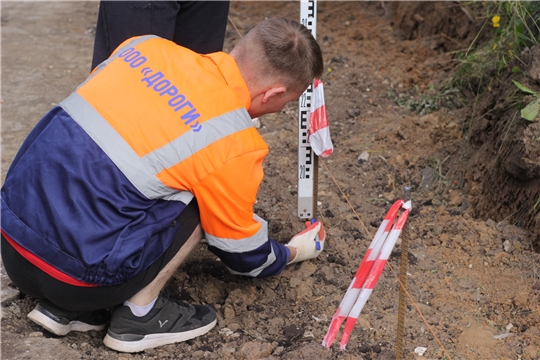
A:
(473, 282)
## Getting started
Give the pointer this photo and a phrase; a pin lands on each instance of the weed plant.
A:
(515, 28)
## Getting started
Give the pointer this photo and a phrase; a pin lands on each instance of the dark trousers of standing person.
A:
(197, 25)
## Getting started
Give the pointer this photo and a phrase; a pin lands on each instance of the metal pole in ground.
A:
(403, 264)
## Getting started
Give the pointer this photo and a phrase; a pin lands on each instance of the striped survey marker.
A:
(307, 160)
(372, 253)
(368, 274)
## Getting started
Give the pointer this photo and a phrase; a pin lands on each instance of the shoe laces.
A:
(182, 306)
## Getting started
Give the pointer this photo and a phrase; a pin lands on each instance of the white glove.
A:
(306, 241)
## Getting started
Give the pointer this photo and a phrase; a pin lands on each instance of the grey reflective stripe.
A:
(119, 151)
(190, 142)
(183, 196)
(120, 50)
(257, 271)
(239, 246)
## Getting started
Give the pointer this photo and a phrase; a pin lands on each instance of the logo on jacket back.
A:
(164, 87)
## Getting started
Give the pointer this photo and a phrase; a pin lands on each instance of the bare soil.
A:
(473, 275)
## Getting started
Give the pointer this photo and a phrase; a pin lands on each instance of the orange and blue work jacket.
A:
(92, 194)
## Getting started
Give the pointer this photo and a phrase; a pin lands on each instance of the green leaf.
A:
(524, 88)
(515, 69)
(530, 111)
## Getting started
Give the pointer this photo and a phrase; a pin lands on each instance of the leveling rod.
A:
(308, 173)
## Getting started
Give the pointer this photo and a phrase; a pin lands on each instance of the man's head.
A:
(278, 59)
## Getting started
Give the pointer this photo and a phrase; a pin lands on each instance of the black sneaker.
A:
(169, 321)
(60, 321)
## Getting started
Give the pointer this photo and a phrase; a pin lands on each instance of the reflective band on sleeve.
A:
(257, 271)
(244, 245)
(183, 196)
(190, 142)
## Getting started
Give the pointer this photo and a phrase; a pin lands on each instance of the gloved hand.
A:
(305, 242)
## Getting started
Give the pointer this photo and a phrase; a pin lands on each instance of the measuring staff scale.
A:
(307, 160)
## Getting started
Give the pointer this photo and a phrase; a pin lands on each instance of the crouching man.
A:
(114, 187)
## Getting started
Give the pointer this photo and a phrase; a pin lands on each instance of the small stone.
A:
(197, 354)
(508, 247)
(454, 198)
(420, 350)
(354, 112)
(363, 157)
(304, 291)
(228, 312)
(226, 331)
(295, 282)
(229, 350)
(279, 350)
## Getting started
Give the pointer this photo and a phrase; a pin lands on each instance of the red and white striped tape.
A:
(368, 274)
(361, 274)
(319, 129)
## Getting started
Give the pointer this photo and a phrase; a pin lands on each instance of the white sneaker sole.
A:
(155, 340)
(61, 329)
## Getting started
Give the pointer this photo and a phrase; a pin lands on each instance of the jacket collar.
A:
(232, 76)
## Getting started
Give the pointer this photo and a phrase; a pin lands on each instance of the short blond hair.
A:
(281, 50)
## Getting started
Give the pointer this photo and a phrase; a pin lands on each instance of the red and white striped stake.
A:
(368, 274)
(361, 274)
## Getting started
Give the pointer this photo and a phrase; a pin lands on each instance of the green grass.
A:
(514, 28)
(509, 29)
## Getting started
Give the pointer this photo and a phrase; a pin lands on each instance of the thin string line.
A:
(234, 26)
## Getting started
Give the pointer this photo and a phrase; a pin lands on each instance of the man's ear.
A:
(273, 91)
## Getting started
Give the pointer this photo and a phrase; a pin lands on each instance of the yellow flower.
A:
(495, 20)
(494, 46)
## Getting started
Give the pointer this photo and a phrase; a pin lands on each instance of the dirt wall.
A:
(503, 171)
(451, 22)
(500, 157)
